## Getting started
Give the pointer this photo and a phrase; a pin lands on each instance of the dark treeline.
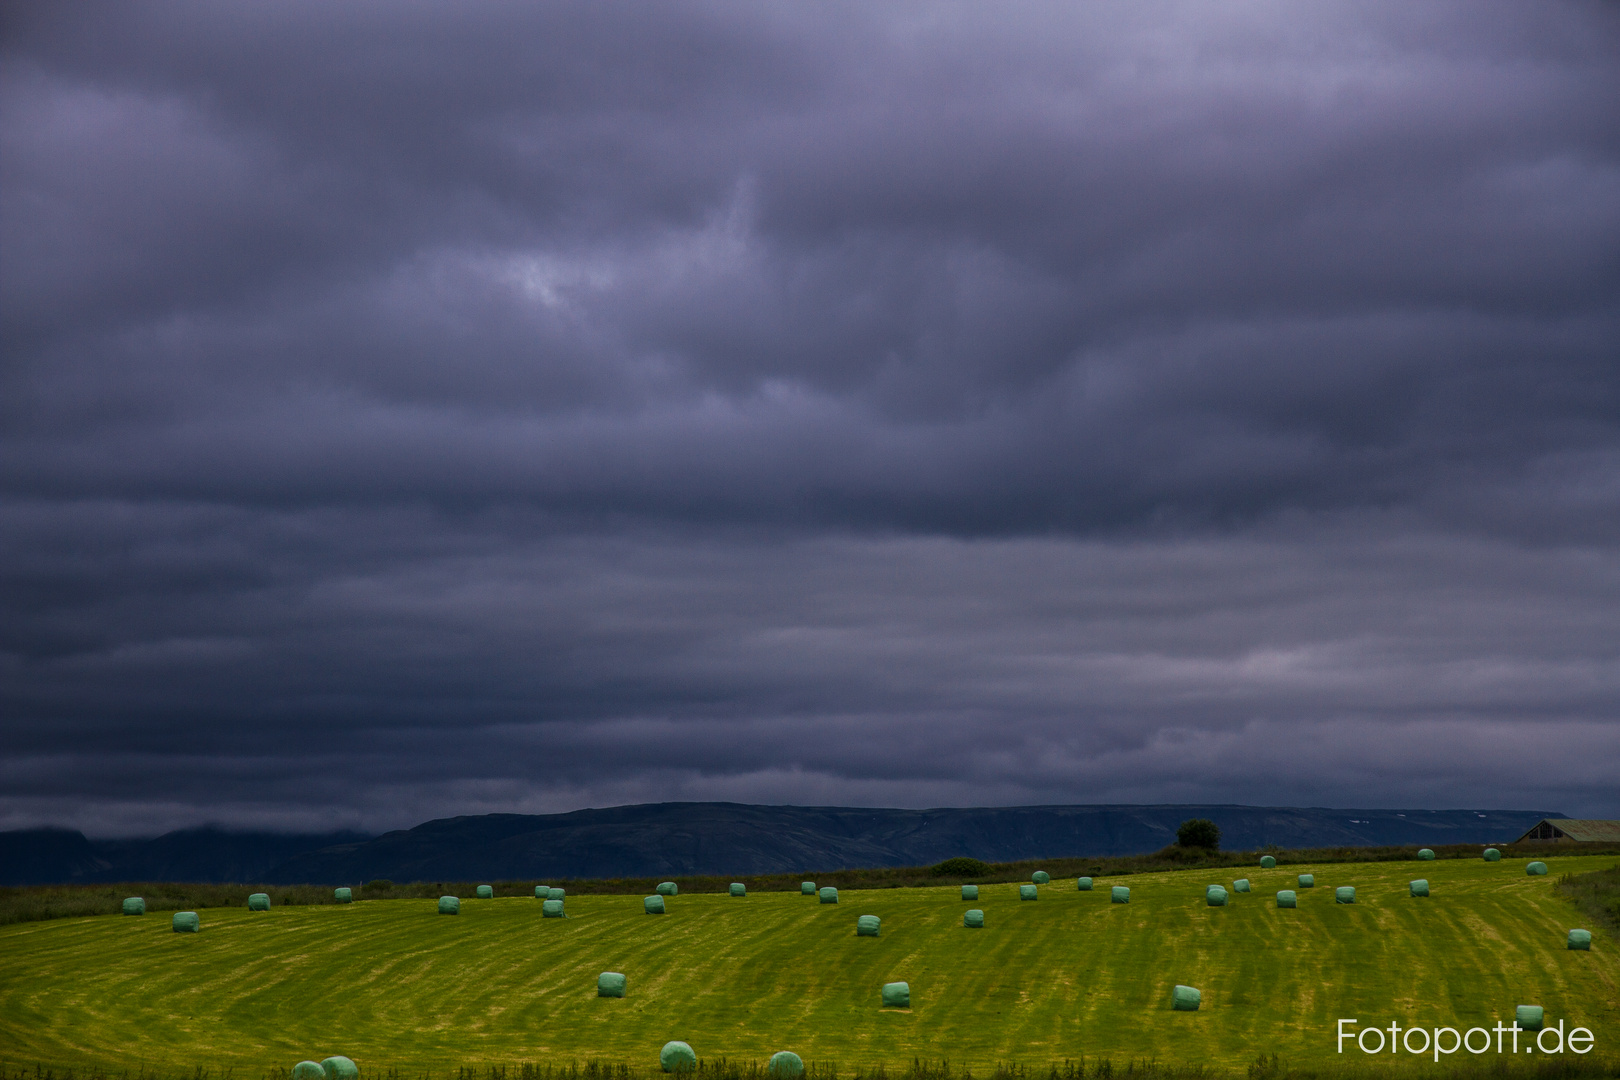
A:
(34, 902)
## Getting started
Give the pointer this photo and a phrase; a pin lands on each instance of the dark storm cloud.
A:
(532, 405)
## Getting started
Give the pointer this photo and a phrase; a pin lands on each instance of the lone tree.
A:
(1199, 833)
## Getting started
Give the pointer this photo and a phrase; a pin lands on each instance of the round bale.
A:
(610, 984)
(556, 894)
(1240, 885)
(1267, 862)
(551, 909)
(1420, 887)
(1490, 854)
(970, 892)
(345, 895)
(308, 1070)
(1215, 896)
(1287, 898)
(1528, 1017)
(828, 894)
(807, 888)
(738, 889)
(897, 995)
(1536, 869)
(1083, 884)
(1344, 894)
(1426, 854)
(338, 1067)
(1028, 892)
(1307, 881)
(867, 926)
(1185, 999)
(1581, 940)
(1121, 894)
(449, 905)
(677, 1056)
(1041, 877)
(784, 1065)
(667, 888)
(186, 922)
(134, 905)
(486, 892)
(259, 902)
(542, 892)
(973, 919)
(653, 905)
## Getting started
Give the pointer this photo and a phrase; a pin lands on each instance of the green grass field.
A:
(392, 984)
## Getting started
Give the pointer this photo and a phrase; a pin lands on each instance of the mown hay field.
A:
(394, 984)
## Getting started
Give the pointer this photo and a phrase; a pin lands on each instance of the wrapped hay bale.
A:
(1240, 885)
(1268, 863)
(486, 892)
(1420, 887)
(1490, 854)
(970, 892)
(973, 919)
(1185, 999)
(784, 1065)
(1536, 869)
(1121, 894)
(828, 894)
(1083, 884)
(676, 1056)
(1528, 1017)
(556, 894)
(1028, 892)
(542, 892)
(259, 902)
(551, 909)
(807, 888)
(653, 905)
(449, 905)
(1215, 896)
(1286, 898)
(739, 889)
(1344, 894)
(610, 984)
(344, 895)
(1426, 854)
(1041, 877)
(667, 888)
(186, 922)
(308, 1070)
(338, 1067)
(134, 905)
(897, 995)
(1581, 940)
(1307, 881)
(867, 926)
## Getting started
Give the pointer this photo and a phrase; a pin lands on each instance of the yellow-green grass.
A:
(392, 983)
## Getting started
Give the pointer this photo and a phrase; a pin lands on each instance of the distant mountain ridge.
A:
(659, 839)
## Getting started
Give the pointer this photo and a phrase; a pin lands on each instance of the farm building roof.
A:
(1581, 830)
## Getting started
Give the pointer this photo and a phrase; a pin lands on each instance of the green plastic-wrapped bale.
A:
(1083, 884)
(610, 984)
(1490, 854)
(973, 919)
(1121, 894)
(784, 1065)
(1420, 887)
(186, 922)
(134, 905)
(308, 1070)
(486, 892)
(970, 892)
(551, 909)
(653, 905)
(338, 1067)
(259, 902)
(556, 894)
(807, 888)
(867, 926)
(1268, 862)
(1426, 854)
(1581, 940)
(1215, 896)
(1344, 894)
(1185, 999)
(1028, 892)
(677, 1057)
(1041, 877)
(1287, 898)
(1240, 885)
(667, 888)
(738, 889)
(828, 894)
(345, 895)
(1536, 869)
(1528, 1017)
(542, 892)
(1307, 881)
(449, 905)
(897, 995)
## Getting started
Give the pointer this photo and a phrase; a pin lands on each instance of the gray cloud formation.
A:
(534, 406)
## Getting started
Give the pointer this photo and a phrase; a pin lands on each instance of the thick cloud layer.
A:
(414, 410)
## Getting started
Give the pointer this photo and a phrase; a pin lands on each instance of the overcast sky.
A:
(417, 409)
